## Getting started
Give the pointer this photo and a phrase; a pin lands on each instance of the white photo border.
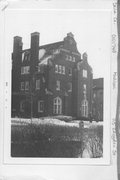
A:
(7, 159)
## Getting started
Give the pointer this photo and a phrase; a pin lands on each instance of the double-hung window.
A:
(84, 73)
(37, 84)
(70, 71)
(58, 85)
(56, 68)
(69, 87)
(22, 86)
(27, 85)
(59, 69)
(41, 106)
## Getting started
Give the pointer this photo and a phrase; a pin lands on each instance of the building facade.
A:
(97, 104)
(50, 80)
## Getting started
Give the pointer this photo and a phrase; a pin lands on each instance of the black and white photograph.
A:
(60, 74)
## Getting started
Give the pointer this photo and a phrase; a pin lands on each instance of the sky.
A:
(91, 29)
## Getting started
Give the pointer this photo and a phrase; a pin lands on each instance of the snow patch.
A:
(43, 121)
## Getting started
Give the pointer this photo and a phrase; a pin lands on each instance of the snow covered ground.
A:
(47, 121)
(60, 134)
(55, 121)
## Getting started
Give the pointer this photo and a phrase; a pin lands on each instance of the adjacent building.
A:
(97, 103)
(50, 80)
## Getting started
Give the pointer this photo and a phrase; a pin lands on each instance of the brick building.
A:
(97, 106)
(51, 79)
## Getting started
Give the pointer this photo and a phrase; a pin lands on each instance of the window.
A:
(40, 106)
(67, 57)
(58, 85)
(70, 58)
(25, 70)
(73, 59)
(84, 90)
(84, 87)
(63, 69)
(94, 95)
(23, 54)
(69, 87)
(57, 105)
(27, 85)
(60, 69)
(38, 84)
(43, 79)
(94, 111)
(26, 56)
(38, 68)
(22, 70)
(56, 68)
(22, 106)
(85, 108)
(84, 73)
(56, 51)
(70, 71)
(22, 86)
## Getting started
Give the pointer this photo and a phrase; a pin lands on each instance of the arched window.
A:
(85, 108)
(57, 105)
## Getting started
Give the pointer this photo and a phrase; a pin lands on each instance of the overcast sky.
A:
(91, 31)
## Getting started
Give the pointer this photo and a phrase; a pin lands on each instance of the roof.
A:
(49, 46)
(52, 46)
(98, 83)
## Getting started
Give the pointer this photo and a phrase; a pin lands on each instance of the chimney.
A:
(34, 51)
(17, 51)
(17, 44)
(16, 63)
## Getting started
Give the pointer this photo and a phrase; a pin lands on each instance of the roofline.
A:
(98, 78)
(59, 42)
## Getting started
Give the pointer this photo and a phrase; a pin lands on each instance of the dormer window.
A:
(56, 51)
(23, 54)
(70, 58)
(26, 56)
